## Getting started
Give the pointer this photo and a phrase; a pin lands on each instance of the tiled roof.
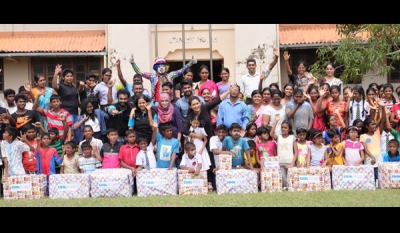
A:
(53, 41)
(296, 34)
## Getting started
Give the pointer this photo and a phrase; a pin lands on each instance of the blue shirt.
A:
(229, 113)
(237, 148)
(183, 105)
(165, 149)
(387, 158)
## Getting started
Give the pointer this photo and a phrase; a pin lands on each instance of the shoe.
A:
(210, 187)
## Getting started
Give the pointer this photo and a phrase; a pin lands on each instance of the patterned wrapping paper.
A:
(225, 162)
(25, 187)
(157, 182)
(69, 186)
(271, 176)
(389, 175)
(314, 178)
(353, 177)
(236, 181)
(111, 182)
(190, 184)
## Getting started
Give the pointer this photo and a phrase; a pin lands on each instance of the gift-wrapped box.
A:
(157, 182)
(25, 187)
(353, 177)
(69, 185)
(236, 181)
(111, 182)
(270, 162)
(224, 162)
(191, 184)
(314, 178)
(271, 176)
(389, 175)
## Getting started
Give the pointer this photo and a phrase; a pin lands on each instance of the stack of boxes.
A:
(271, 177)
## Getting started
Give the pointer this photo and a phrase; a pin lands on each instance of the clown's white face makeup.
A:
(161, 69)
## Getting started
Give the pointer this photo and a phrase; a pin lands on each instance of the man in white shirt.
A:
(9, 101)
(250, 81)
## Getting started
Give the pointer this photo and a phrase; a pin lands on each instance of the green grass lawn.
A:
(332, 198)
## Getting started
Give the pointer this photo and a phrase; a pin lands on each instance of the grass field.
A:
(332, 198)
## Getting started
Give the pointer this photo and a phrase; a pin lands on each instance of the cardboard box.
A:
(224, 162)
(353, 177)
(111, 182)
(157, 182)
(69, 186)
(236, 181)
(25, 187)
(271, 180)
(313, 178)
(190, 184)
(389, 175)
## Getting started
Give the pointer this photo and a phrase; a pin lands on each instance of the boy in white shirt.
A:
(145, 151)
(216, 143)
(191, 160)
(88, 137)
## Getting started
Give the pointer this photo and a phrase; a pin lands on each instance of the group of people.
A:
(310, 122)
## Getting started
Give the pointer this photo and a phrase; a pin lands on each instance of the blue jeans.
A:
(78, 134)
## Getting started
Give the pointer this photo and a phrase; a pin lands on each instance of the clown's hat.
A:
(159, 61)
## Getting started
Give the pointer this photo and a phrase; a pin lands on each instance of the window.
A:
(1, 75)
(80, 65)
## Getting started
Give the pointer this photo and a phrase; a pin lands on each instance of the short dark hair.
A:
(86, 144)
(141, 139)
(186, 82)
(251, 60)
(87, 126)
(394, 141)
(130, 131)
(123, 92)
(332, 133)
(20, 96)
(71, 143)
(110, 130)
(55, 97)
(12, 131)
(8, 92)
(67, 71)
(169, 84)
(222, 127)
(235, 126)
(90, 75)
(189, 145)
(138, 76)
(165, 126)
(251, 143)
(21, 89)
(53, 130)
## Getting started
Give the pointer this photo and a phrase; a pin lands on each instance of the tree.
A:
(363, 48)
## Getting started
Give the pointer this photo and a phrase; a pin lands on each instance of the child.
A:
(200, 143)
(57, 142)
(145, 158)
(128, 152)
(29, 157)
(285, 144)
(238, 146)
(110, 150)
(216, 144)
(393, 155)
(70, 162)
(167, 147)
(331, 123)
(251, 129)
(388, 133)
(358, 108)
(253, 154)
(12, 150)
(47, 156)
(88, 163)
(88, 137)
(317, 149)
(301, 150)
(191, 160)
(334, 150)
(266, 146)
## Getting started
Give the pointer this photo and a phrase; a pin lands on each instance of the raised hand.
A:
(254, 115)
(94, 146)
(110, 83)
(85, 117)
(262, 75)
(148, 106)
(81, 83)
(306, 95)
(58, 69)
(118, 62)
(286, 55)
(154, 125)
(132, 114)
(131, 59)
(37, 124)
(27, 85)
(114, 112)
(322, 93)
(277, 117)
(336, 111)
(22, 137)
(194, 61)
(275, 51)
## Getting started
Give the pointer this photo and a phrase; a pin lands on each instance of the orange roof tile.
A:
(293, 34)
(53, 41)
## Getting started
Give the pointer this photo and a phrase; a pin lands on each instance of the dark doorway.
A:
(217, 66)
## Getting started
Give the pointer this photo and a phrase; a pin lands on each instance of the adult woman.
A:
(167, 113)
(330, 78)
(213, 118)
(43, 92)
(266, 96)
(335, 103)
(93, 117)
(299, 112)
(187, 74)
(202, 113)
(274, 108)
(224, 84)
(273, 86)
(312, 98)
(256, 109)
(206, 94)
(204, 73)
(287, 93)
(301, 79)
(139, 119)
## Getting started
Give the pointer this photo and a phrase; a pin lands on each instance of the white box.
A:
(236, 181)
(157, 182)
(313, 178)
(389, 175)
(353, 177)
(69, 185)
(190, 184)
(111, 182)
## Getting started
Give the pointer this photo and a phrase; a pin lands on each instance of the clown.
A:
(161, 76)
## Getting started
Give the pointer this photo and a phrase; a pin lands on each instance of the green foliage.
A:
(357, 55)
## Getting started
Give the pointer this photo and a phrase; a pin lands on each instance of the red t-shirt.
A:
(396, 111)
(128, 154)
(30, 163)
(45, 159)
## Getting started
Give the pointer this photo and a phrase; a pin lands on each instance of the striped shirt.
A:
(53, 120)
(88, 165)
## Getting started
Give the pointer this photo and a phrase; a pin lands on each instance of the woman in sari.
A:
(43, 92)
(204, 73)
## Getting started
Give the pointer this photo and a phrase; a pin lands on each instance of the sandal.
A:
(210, 187)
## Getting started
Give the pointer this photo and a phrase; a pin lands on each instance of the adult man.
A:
(161, 76)
(233, 110)
(168, 88)
(119, 114)
(86, 88)
(182, 104)
(127, 86)
(249, 82)
(24, 117)
(137, 89)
